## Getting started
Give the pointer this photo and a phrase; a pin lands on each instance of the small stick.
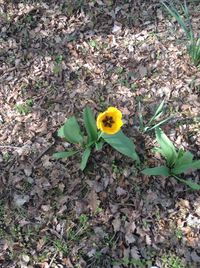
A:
(42, 153)
(9, 147)
(53, 258)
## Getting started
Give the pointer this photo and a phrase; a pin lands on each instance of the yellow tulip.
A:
(110, 121)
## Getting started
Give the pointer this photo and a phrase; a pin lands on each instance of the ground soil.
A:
(57, 57)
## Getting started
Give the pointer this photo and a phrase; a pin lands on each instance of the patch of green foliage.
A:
(24, 108)
(153, 122)
(172, 261)
(177, 161)
(184, 21)
(58, 64)
(71, 131)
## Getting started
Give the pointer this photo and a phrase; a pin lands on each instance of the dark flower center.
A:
(108, 121)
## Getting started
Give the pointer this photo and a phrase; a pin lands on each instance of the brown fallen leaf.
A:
(135, 253)
(129, 230)
(93, 201)
(116, 223)
(142, 70)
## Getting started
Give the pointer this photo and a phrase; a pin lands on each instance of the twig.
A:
(9, 147)
(7, 71)
(53, 258)
(42, 153)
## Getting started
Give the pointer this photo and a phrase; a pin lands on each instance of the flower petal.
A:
(115, 111)
(115, 126)
(99, 120)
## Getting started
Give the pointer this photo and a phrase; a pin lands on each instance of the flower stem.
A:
(99, 136)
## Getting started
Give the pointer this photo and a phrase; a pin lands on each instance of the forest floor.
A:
(57, 57)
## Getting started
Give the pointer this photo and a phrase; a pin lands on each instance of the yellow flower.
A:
(110, 121)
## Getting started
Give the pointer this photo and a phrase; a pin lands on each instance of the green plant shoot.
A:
(94, 139)
(177, 162)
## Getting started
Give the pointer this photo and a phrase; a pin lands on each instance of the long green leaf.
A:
(99, 145)
(158, 124)
(174, 13)
(188, 20)
(166, 146)
(90, 124)
(190, 183)
(157, 171)
(183, 158)
(71, 131)
(85, 157)
(194, 51)
(122, 144)
(158, 112)
(182, 168)
(59, 155)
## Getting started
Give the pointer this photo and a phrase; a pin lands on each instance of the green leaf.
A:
(85, 157)
(158, 112)
(156, 171)
(194, 51)
(182, 168)
(180, 153)
(183, 158)
(90, 124)
(99, 145)
(122, 144)
(190, 183)
(71, 131)
(90, 144)
(174, 13)
(167, 148)
(158, 124)
(93, 43)
(59, 155)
